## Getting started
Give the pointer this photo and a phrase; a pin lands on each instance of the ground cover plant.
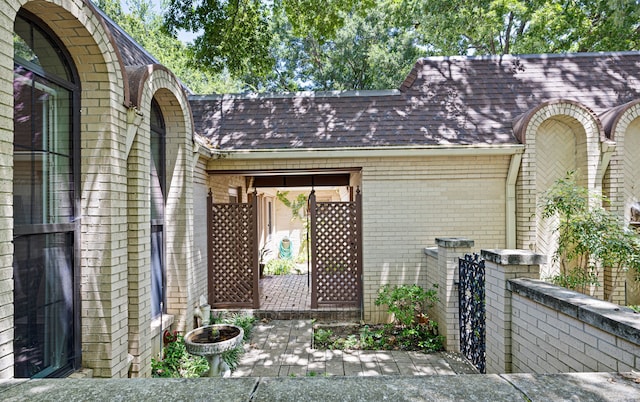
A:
(176, 362)
(411, 329)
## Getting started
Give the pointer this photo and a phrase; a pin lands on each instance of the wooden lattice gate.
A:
(233, 254)
(336, 252)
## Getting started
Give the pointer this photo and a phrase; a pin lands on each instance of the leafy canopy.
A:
(144, 24)
(292, 45)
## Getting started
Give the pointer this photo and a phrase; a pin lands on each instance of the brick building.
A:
(108, 162)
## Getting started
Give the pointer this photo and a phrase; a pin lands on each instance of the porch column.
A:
(501, 266)
(450, 249)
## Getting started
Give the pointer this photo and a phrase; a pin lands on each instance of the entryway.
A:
(240, 232)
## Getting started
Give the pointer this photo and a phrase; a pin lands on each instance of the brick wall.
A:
(114, 250)
(571, 119)
(407, 203)
(555, 330)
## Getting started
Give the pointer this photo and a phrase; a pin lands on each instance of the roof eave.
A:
(371, 152)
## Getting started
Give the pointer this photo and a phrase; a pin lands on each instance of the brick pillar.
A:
(446, 311)
(501, 266)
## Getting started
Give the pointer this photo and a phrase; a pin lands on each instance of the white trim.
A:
(436, 150)
(511, 213)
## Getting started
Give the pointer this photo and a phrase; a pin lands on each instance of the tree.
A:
(235, 34)
(531, 26)
(589, 237)
(348, 44)
(291, 45)
(144, 24)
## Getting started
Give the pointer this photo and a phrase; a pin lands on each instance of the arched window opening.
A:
(158, 199)
(45, 204)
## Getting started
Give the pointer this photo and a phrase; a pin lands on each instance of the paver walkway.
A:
(289, 297)
(281, 348)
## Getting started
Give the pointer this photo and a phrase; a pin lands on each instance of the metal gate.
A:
(233, 254)
(336, 252)
(472, 310)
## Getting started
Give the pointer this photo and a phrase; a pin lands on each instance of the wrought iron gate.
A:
(472, 312)
(336, 252)
(233, 254)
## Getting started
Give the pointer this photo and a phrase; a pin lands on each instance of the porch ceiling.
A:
(293, 178)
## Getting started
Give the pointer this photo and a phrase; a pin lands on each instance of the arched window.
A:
(45, 203)
(158, 198)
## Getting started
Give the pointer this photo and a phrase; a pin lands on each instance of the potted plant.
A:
(264, 251)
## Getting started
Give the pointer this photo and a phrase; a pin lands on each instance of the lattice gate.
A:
(471, 296)
(233, 254)
(336, 252)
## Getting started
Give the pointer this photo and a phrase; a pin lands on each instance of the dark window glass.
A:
(158, 160)
(43, 275)
(46, 337)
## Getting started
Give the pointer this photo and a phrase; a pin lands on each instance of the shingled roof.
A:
(443, 101)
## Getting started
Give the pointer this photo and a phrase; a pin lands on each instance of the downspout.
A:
(608, 147)
(134, 120)
(510, 216)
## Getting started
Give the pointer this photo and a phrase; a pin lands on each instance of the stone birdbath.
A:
(211, 341)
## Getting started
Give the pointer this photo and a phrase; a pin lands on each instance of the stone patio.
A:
(283, 349)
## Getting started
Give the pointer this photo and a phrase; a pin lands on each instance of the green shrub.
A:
(590, 237)
(176, 361)
(279, 267)
(407, 302)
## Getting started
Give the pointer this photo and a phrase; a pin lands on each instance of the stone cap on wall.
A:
(451, 242)
(619, 321)
(431, 251)
(513, 257)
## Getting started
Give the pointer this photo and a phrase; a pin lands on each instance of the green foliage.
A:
(537, 26)
(145, 25)
(176, 362)
(635, 308)
(589, 236)
(420, 337)
(415, 331)
(322, 336)
(291, 45)
(279, 267)
(407, 303)
(244, 321)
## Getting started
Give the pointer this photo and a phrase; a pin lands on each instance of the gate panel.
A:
(233, 254)
(471, 297)
(336, 252)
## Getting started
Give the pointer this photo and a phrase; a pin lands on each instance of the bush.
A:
(279, 267)
(407, 303)
(590, 237)
(176, 361)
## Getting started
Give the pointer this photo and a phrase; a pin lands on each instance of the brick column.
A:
(501, 266)
(445, 312)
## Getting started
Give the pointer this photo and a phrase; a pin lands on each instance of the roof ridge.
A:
(530, 56)
(303, 94)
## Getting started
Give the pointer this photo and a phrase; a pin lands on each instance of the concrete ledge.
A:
(619, 321)
(431, 251)
(513, 257)
(453, 242)
(492, 387)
